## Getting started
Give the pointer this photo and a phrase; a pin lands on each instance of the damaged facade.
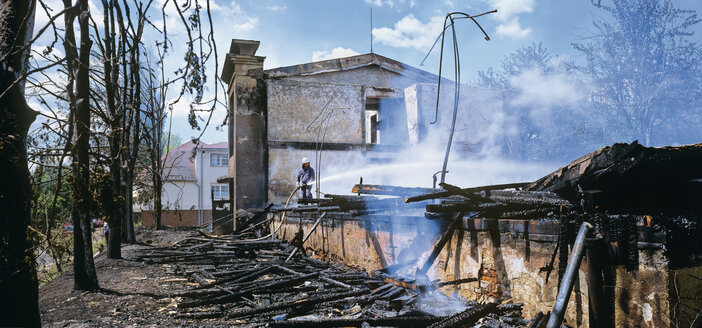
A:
(358, 110)
(502, 242)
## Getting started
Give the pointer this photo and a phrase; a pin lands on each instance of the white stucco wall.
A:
(297, 112)
(181, 195)
(209, 174)
(186, 195)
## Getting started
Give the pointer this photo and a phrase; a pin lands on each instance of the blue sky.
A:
(293, 32)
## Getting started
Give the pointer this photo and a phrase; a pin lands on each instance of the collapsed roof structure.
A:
(644, 204)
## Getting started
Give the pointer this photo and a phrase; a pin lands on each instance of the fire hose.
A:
(282, 218)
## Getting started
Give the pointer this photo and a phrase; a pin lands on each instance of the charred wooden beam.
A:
(303, 209)
(199, 315)
(468, 194)
(298, 303)
(207, 274)
(539, 320)
(309, 201)
(388, 190)
(236, 279)
(531, 214)
(325, 279)
(199, 279)
(597, 258)
(456, 282)
(307, 236)
(413, 285)
(399, 321)
(466, 318)
(444, 194)
(532, 198)
(394, 290)
(350, 203)
(509, 307)
(440, 245)
(285, 282)
(453, 207)
(348, 276)
(258, 217)
(382, 289)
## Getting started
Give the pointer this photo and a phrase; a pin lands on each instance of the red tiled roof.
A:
(179, 163)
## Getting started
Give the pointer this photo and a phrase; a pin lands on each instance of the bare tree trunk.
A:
(114, 247)
(158, 186)
(153, 135)
(85, 276)
(18, 277)
(135, 104)
(128, 212)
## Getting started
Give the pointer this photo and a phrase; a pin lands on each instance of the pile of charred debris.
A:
(255, 281)
(620, 193)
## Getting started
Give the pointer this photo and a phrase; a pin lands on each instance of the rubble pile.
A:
(250, 281)
(634, 198)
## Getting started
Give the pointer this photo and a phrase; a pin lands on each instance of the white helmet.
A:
(305, 160)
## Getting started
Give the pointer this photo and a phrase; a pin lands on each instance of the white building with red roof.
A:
(190, 182)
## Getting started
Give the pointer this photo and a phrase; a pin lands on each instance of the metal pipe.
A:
(434, 178)
(576, 256)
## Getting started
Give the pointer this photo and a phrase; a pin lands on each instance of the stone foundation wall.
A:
(175, 218)
(510, 258)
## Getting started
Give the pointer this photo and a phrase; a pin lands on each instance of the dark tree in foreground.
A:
(18, 280)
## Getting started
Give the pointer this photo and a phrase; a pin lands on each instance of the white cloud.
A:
(241, 21)
(247, 25)
(507, 15)
(513, 29)
(507, 9)
(337, 52)
(276, 8)
(380, 3)
(410, 32)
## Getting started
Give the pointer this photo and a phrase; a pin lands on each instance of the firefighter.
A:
(305, 179)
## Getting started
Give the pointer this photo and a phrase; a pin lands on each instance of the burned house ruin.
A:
(366, 106)
(642, 257)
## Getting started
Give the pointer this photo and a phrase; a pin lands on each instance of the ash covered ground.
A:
(171, 280)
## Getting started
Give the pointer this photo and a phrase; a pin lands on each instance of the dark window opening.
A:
(386, 121)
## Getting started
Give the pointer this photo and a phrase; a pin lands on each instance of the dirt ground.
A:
(149, 287)
(133, 294)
